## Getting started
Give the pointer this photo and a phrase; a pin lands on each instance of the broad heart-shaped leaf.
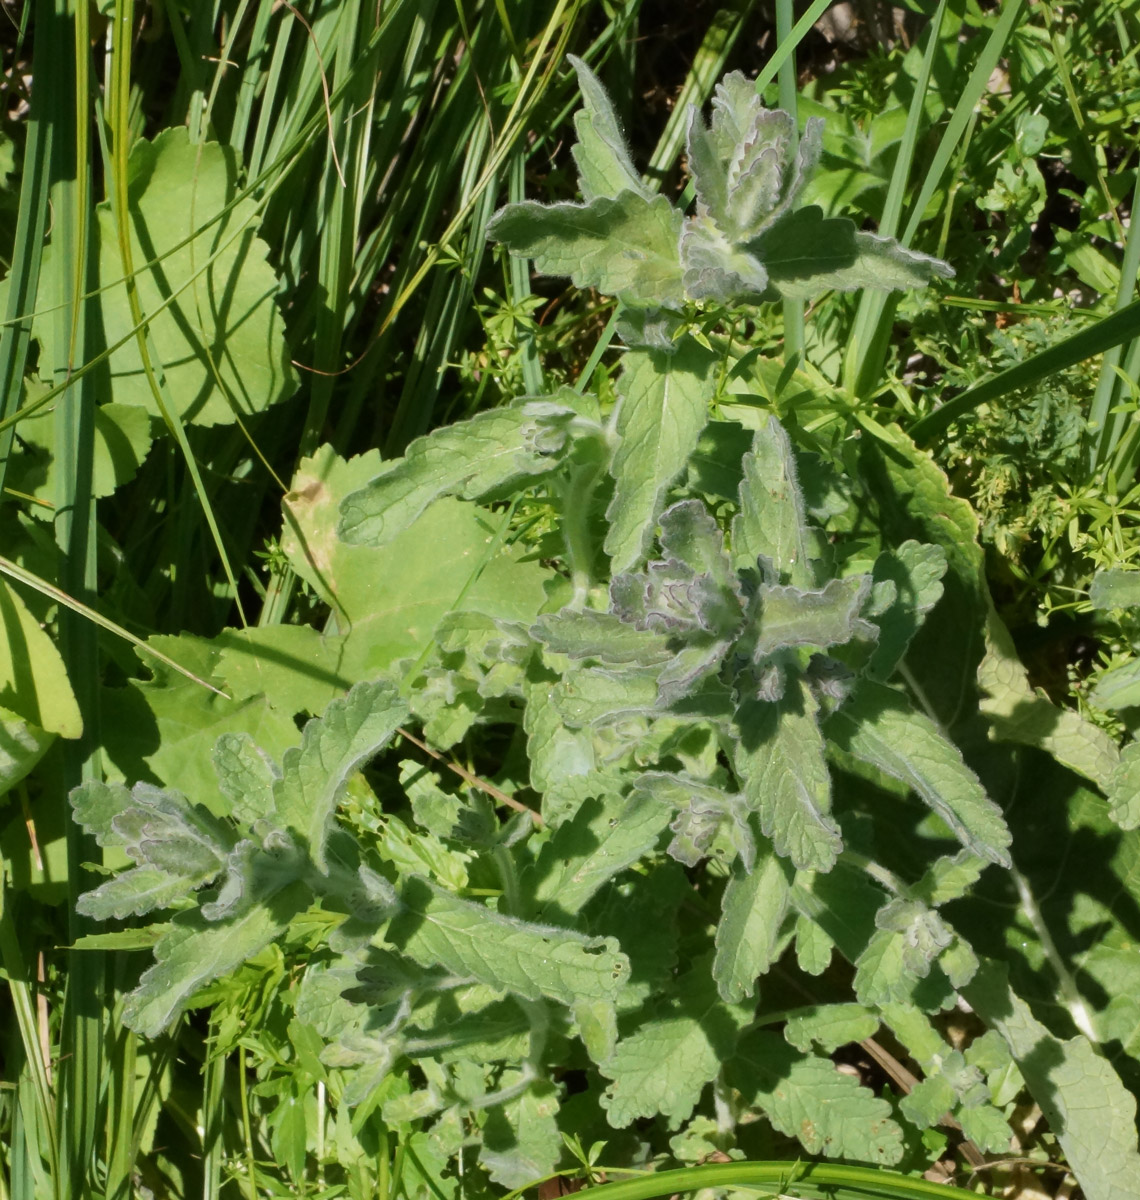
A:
(221, 341)
(805, 1097)
(601, 155)
(192, 953)
(494, 450)
(1089, 1110)
(121, 440)
(748, 934)
(33, 679)
(878, 725)
(470, 940)
(783, 773)
(627, 246)
(664, 406)
(806, 253)
(22, 745)
(771, 522)
(1017, 713)
(333, 748)
(679, 1047)
(1115, 588)
(389, 600)
(604, 836)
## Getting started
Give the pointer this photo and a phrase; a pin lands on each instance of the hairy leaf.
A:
(664, 407)
(137, 891)
(601, 155)
(627, 246)
(829, 1026)
(530, 960)
(586, 633)
(748, 934)
(916, 570)
(878, 725)
(246, 776)
(333, 748)
(783, 773)
(790, 617)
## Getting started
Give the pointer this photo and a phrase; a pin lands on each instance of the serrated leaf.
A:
(601, 155)
(598, 696)
(806, 254)
(705, 814)
(663, 1067)
(771, 522)
(530, 960)
(790, 617)
(1018, 713)
(807, 1098)
(33, 680)
(1115, 588)
(949, 878)
(900, 954)
(246, 776)
(192, 954)
(928, 1101)
(813, 946)
(333, 748)
(1089, 1110)
(136, 892)
(586, 633)
(664, 407)
(1124, 790)
(490, 452)
(521, 1142)
(627, 246)
(604, 837)
(829, 1026)
(555, 753)
(987, 1128)
(714, 269)
(878, 726)
(916, 570)
(748, 933)
(783, 773)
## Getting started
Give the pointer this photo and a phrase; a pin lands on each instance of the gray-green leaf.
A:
(601, 155)
(748, 934)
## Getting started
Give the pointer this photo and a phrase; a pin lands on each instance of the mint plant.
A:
(705, 716)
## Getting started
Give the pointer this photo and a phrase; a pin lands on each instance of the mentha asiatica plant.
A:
(711, 718)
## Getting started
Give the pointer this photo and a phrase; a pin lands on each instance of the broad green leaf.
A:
(586, 633)
(221, 341)
(438, 929)
(1018, 713)
(22, 745)
(1088, 1109)
(805, 1097)
(813, 946)
(413, 853)
(771, 522)
(521, 1141)
(790, 617)
(333, 748)
(1124, 790)
(1118, 688)
(1115, 588)
(603, 838)
(191, 954)
(627, 246)
(664, 1066)
(121, 440)
(783, 773)
(806, 253)
(829, 1026)
(929, 1101)
(297, 668)
(601, 155)
(138, 891)
(948, 878)
(165, 728)
(878, 726)
(598, 696)
(33, 679)
(246, 776)
(389, 600)
(494, 451)
(555, 752)
(664, 406)
(748, 933)
(916, 570)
